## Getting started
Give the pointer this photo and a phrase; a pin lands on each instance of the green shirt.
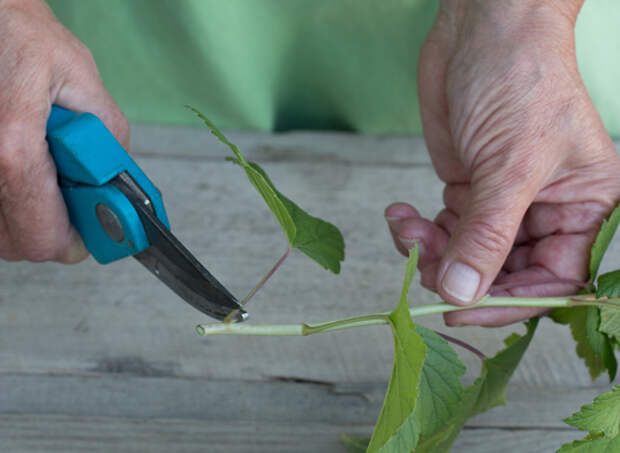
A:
(292, 64)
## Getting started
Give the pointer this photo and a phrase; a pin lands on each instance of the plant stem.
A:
(382, 318)
(267, 276)
(463, 344)
(260, 284)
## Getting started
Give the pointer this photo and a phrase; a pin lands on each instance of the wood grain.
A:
(56, 433)
(101, 358)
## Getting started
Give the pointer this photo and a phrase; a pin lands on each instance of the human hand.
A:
(41, 63)
(530, 171)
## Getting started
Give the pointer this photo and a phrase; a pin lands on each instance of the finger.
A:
(6, 248)
(428, 276)
(518, 259)
(492, 316)
(565, 256)
(36, 221)
(394, 214)
(544, 219)
(78, 86)
(534, 281)
(431, 239)
(486, 231)
(455, 198)
(555, 268)
(399, 211)
(447, 220)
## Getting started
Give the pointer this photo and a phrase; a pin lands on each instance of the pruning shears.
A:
(119, 212)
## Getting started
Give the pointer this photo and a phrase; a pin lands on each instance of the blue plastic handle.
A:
(87, 158)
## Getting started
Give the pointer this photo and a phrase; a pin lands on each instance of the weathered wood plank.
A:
(517, 441)
(38, 433)
(127, 396)
(81, 318)
(333, 147)
(90, 318)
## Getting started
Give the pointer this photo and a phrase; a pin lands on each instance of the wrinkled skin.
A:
(529, 170)
(41, 63)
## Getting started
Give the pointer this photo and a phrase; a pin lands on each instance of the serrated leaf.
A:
(500, 369)
(429, 444)
(440, 385)
(510, 339)
(468, 401)
(316, 238)
(593, 347)
(440, 392)
(443, 406)
(610, 322)
(608, 285)
(602, 416)
(433, 429)
(562, 315)
(595, 445)
(593, 361)
(599, 342)
(274, 202)
(604, 237)
(391, 433)
(489, 389)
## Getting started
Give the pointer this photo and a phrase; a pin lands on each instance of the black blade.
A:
(174, 265)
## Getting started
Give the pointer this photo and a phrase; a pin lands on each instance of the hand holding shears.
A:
(119, 212)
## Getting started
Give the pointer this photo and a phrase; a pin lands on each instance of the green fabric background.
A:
(291, 64)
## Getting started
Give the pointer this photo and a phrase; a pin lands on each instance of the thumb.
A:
(485, 234)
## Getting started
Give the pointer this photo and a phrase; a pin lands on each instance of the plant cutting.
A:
(426, 405)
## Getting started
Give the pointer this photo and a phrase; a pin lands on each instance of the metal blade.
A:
(174, 265)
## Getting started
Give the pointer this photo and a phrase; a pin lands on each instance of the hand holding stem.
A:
(530, 171)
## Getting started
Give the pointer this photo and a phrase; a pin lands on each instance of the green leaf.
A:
(604, 237)
(593, 347)
(444, 443)
(500, 368)
(391, 433)
(488, 390)
(316, 238)
(355, 444)
(610, 322)
(440, 393)
(599, 342)
(443, 406)
(594, 445)
(440, 385)
(562, 315)
(593, 361)
(602, 416)
(608, 285)
(429, 444)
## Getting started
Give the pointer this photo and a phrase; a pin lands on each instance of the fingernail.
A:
(461, 281)
(392, 220)
(76, 252)
(409, 243)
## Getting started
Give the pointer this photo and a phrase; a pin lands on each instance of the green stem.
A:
(382, 318)
(295, 330)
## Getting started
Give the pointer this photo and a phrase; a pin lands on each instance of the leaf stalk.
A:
(260, 284)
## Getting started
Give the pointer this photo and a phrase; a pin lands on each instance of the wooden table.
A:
(105, 358)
